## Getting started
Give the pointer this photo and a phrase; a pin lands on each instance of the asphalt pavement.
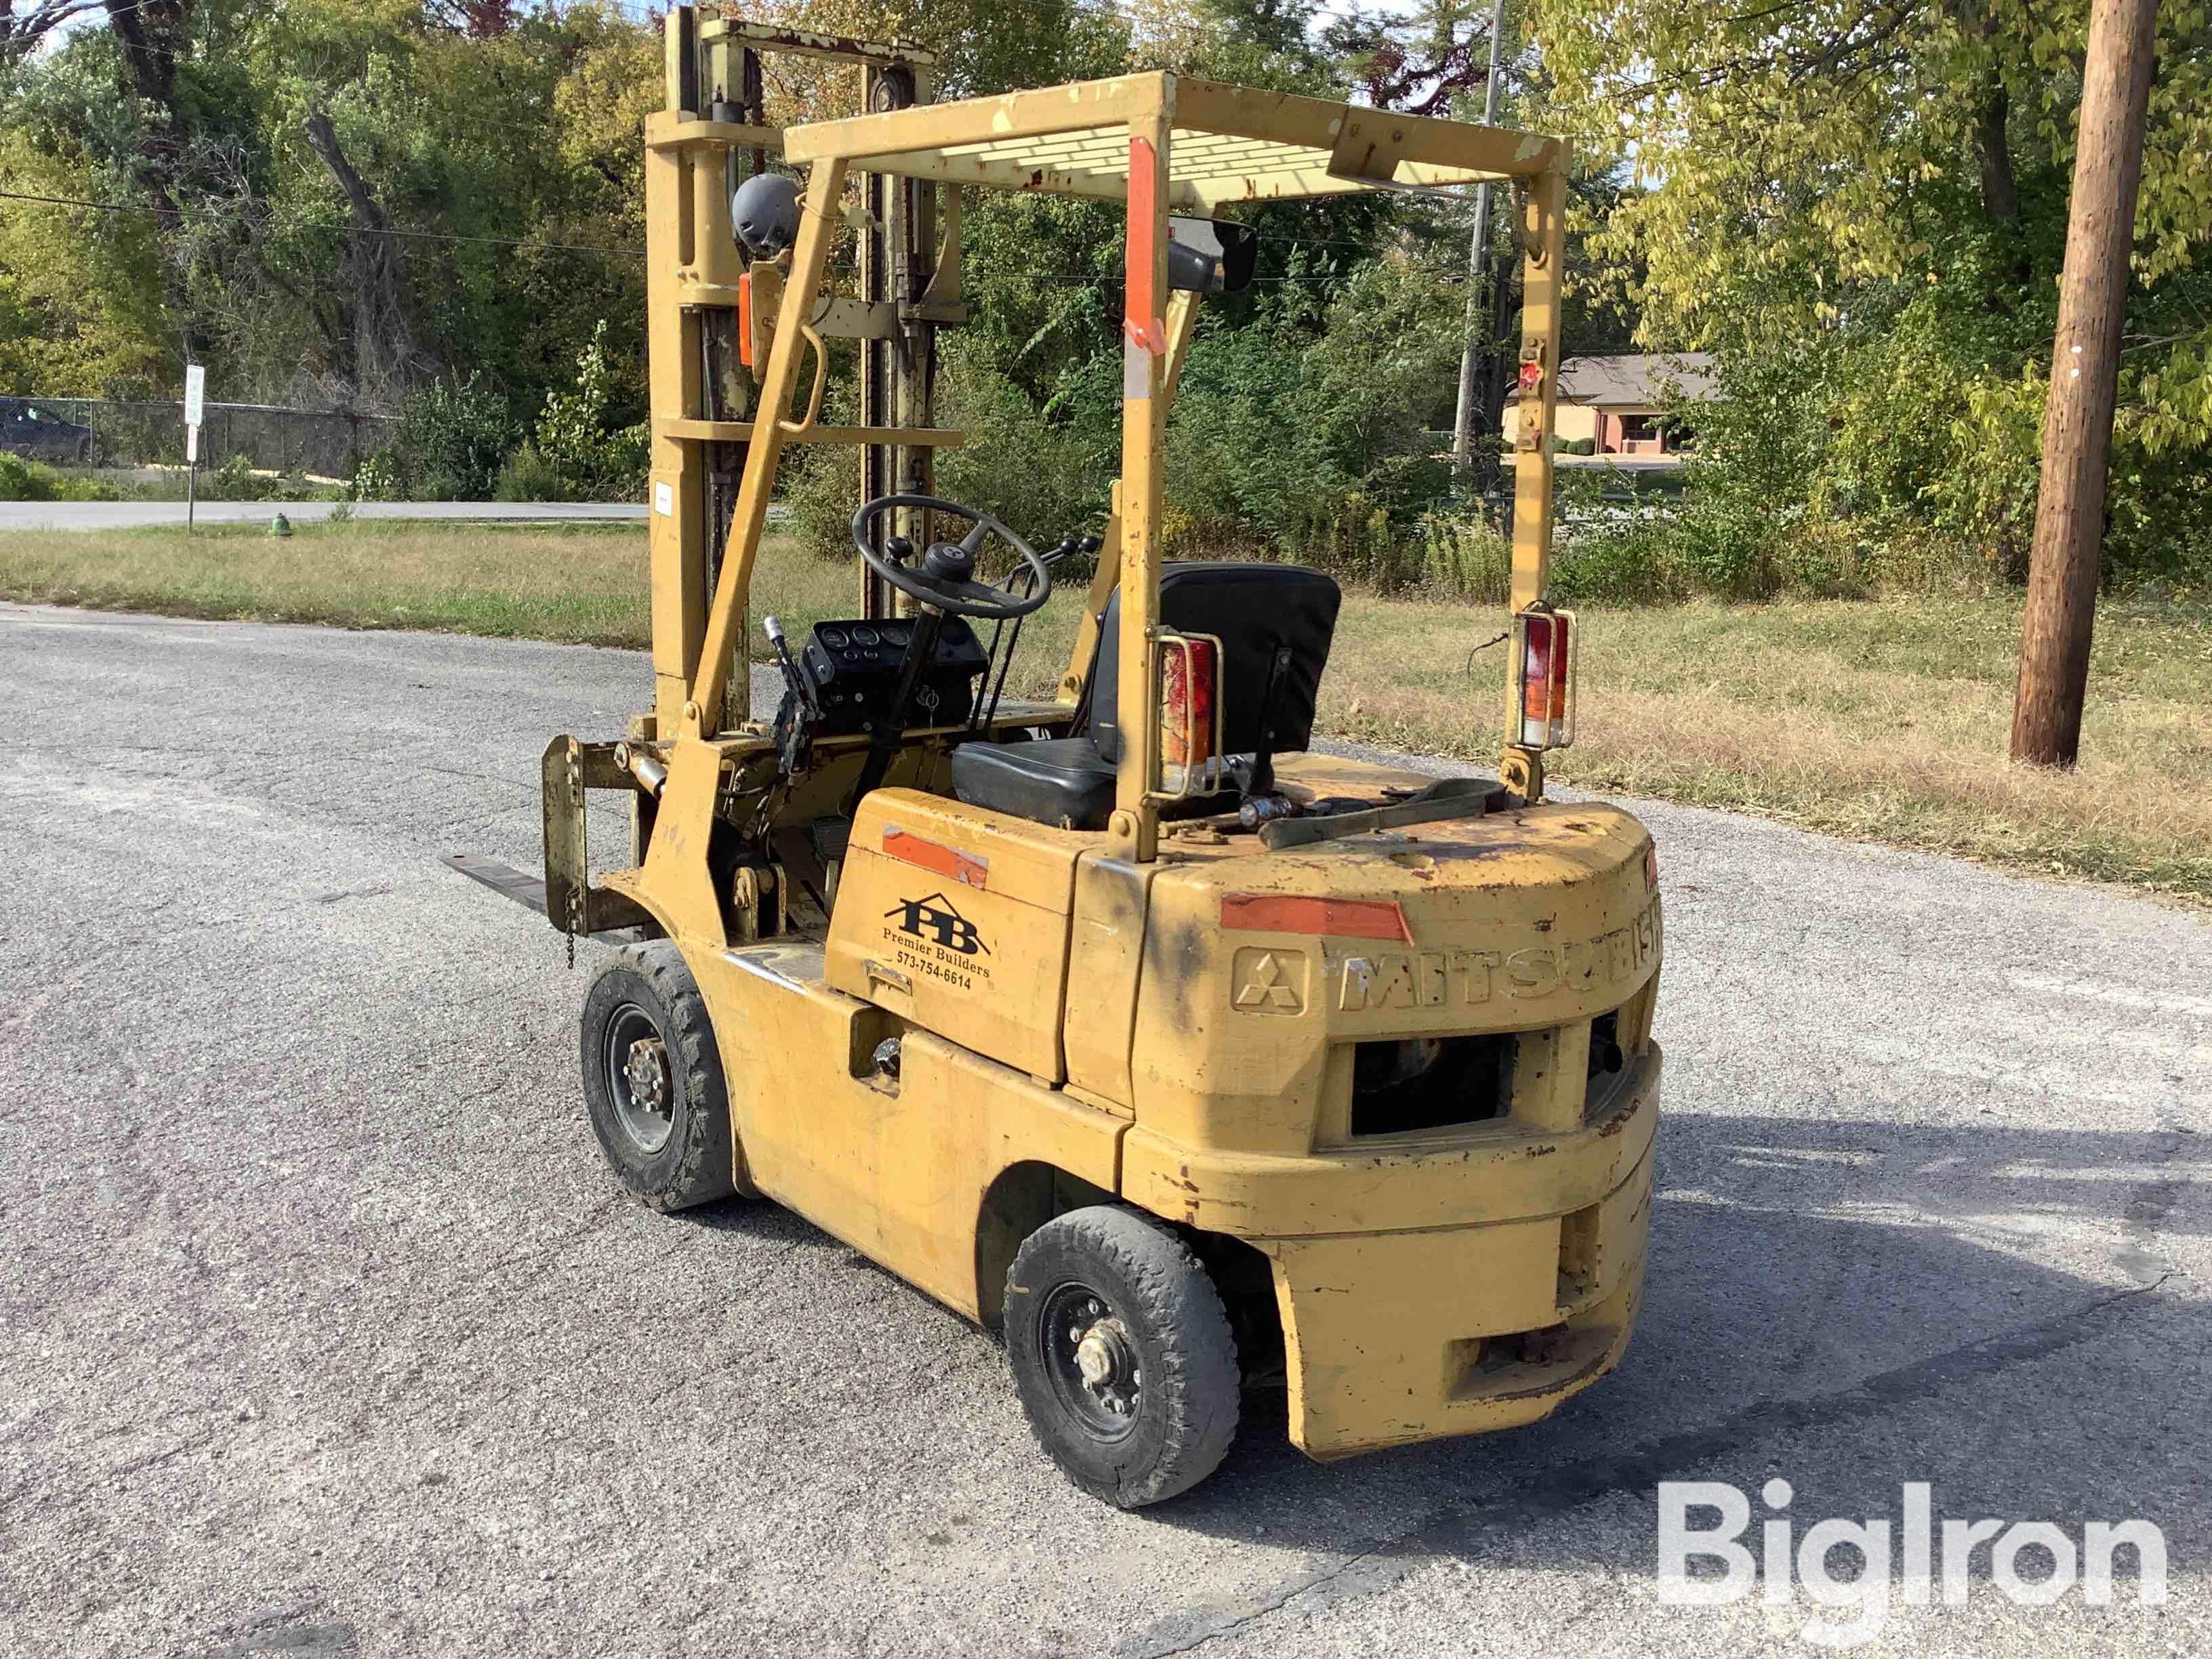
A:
(323, 1331)
(151, 516)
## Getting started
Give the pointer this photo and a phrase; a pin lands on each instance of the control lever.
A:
(1072, 546)
(797, 737)
(791, 678)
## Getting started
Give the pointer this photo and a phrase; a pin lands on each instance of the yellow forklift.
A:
(1191, 1060)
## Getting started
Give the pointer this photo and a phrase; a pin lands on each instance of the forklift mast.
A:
(711, 309)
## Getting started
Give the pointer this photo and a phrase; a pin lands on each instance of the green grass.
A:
(1881, 719)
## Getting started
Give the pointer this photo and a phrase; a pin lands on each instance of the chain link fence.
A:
(325, 443)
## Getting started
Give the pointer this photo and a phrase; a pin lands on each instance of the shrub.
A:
(21, 480)
(448, 444)
(1047, 474)
(1465, 560)
(573, 454)
(529, 477)
(25, 480)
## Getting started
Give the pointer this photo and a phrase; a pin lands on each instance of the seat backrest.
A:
(1256, 609)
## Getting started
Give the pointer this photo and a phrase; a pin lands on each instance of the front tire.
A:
(1122, 1355)
(653, 1081)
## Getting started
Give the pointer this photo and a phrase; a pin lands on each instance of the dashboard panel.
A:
(853, 667)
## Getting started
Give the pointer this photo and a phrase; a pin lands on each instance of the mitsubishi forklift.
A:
(1187, 1059)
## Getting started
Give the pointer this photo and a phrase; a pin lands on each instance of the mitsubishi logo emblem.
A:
(1269, 982)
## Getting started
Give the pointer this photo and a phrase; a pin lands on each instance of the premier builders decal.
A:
(931, 937)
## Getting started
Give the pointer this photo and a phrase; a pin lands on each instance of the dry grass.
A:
(1885, 720)
(583, 583)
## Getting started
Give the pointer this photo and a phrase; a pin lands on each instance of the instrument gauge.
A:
(834, 638)
(865, 635)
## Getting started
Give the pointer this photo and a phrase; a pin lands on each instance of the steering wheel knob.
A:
(948, 561)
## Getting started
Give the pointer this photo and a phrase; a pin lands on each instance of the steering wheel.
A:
(945, 577)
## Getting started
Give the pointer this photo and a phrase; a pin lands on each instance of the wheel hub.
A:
(1097, 1364)
(647, 1072)
(640, 1078)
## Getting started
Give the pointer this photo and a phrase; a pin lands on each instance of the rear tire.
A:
(653, 1081)
(1122, 1354)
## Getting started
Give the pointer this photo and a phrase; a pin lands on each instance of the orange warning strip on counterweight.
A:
(1285, 913)
(971, 869)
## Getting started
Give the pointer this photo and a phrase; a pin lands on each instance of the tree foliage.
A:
(1865, 201)
(435, 207)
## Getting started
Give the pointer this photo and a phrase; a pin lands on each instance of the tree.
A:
(23, 26)
(1423, 62)
(1877, 190)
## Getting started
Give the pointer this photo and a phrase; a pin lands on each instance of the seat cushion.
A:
(1062, 781)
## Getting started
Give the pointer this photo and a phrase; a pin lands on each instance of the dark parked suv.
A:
(32, 429)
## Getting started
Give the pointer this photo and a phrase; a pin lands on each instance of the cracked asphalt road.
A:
(322, 1331)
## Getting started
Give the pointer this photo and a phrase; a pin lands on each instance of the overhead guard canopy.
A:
(1229, 143)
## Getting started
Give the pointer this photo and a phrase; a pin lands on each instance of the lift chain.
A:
(572, 909)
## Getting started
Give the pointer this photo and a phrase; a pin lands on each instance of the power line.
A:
(636, 253)
(363, 230)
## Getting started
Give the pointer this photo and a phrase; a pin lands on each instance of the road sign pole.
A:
(195, 408)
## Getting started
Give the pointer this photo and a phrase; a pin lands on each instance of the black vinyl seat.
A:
(1274, 621)
(1059, 781)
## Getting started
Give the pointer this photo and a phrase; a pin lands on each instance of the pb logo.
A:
(935, 920)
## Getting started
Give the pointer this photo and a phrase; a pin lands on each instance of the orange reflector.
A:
(1315, 918)
(1651, 865)
(745, 319)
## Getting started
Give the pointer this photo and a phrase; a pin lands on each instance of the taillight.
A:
(1190, 711)
(1548, 718)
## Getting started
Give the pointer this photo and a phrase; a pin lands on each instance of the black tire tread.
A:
(707, 1166)
(1198, 1378)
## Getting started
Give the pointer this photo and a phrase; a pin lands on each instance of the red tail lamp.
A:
(1548, 700)
(1190, 712)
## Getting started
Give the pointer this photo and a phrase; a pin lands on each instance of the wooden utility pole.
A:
(2077, 419)
(1478, 259)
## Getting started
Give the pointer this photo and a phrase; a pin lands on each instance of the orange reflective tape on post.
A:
(1144, 331)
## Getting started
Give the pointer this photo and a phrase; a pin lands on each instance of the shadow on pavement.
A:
(1848, 1305)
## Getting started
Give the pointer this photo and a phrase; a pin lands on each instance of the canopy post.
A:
(1543, 233)
(1135, 826)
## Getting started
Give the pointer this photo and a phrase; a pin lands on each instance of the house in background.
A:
(1615, 403)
